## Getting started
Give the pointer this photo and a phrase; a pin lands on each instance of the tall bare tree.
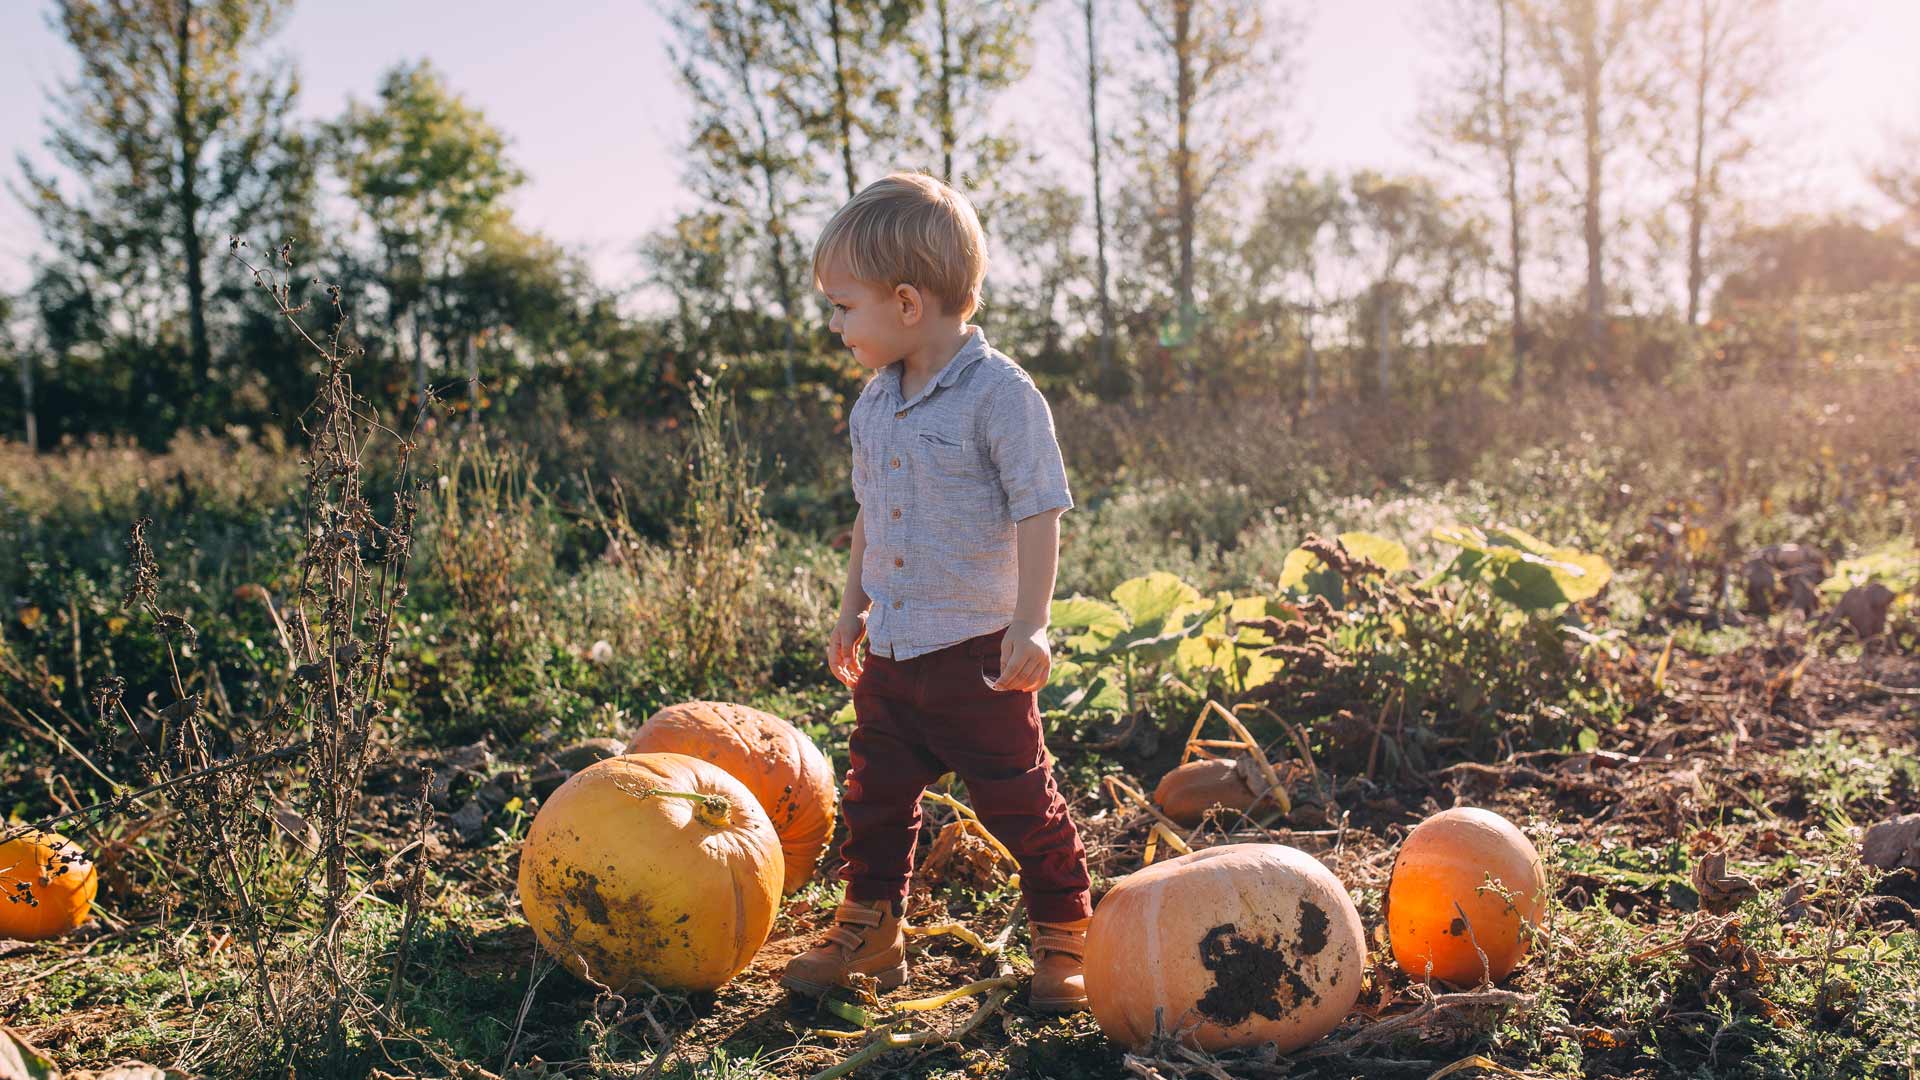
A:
(963, 55)
(1594, 51)
(750, 155)
(1211, 72)
(1734, 60)
(835, 60)
(1096, 140)
(1487, 107)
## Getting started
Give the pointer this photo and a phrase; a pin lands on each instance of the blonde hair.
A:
(909, 228)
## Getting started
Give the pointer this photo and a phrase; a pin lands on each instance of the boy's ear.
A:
(910, 302)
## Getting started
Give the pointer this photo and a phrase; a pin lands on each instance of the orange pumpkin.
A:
(655, 867)
(1233, 945)
(47, 886)
(1188, 792)
(1463, 878)
(773, 758)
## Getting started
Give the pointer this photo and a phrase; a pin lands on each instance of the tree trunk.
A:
(1313, 359)
(419, 354)
(946, 97)
(187, 194)
(30, 422)
(1596, 161)
(1182, 154)
(1696, 199)
(1383, 331)
(1510, 150)
(1106, 350)
(843, 116)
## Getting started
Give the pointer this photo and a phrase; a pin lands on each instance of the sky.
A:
(586, 94)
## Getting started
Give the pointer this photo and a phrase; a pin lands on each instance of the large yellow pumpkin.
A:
(1234, 945)
(776, 760)
(46, 886)
(655, 867)
(1440, 903)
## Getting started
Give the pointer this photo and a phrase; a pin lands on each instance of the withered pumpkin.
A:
(651, 866)
(1233, 945)
(783, 769)
(47, 885)
(1465, 883)
(1188, 792)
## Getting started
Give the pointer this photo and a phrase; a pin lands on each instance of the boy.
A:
(961, 486)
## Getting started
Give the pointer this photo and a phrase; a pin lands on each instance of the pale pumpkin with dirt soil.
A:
(1233, 946)
(1466, 893)
(651, 867)
(783, 769)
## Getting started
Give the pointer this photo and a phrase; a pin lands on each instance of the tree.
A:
(1416, 244)
(1110, 375)
(1488, 107)
(1732, 58)
(833, 67)
(1899, 179)
(1300, 241)
(23, 359)
(430, 177)
(751, 154)
(1589, 48)
(963, 55)
(1208, 72)
(175, 141)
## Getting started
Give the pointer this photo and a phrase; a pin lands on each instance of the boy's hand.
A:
(843, 648)
(1025, 662)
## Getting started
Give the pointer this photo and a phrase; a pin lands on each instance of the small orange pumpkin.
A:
(1233, 945)
(654, 867)
(47, 885)
(1188, 792)
(773, 758)
(1464, 878)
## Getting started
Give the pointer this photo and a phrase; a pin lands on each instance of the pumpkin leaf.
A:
(1152, 599)
(1522, 569)
(1391, 555)
(1895, 564)
(1098, 620)
(19, 1060)
(1303, 574)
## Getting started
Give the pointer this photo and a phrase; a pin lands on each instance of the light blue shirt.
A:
(942, 479)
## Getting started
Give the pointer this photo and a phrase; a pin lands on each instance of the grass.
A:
(551, 608)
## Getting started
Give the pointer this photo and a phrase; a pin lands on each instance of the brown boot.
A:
(1059, 975)
(865, 939)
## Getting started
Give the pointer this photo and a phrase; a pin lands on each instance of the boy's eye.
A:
(841, 308)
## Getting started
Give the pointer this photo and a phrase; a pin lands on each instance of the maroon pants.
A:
(920, 718)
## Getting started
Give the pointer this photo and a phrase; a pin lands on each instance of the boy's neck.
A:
(920, 366)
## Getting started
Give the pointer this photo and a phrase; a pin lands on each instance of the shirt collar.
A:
(974, 348)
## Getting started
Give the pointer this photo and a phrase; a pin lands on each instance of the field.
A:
(1696, 750)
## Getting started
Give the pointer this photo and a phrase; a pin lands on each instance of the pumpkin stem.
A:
(713, 810)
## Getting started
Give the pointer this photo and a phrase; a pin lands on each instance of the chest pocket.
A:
(945, 455)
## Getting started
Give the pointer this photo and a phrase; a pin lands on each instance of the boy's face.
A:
(879, 324)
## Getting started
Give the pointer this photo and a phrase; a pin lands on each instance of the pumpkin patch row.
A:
(665, 866)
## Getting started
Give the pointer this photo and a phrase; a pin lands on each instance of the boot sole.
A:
(1056, 1005)
(886, 979)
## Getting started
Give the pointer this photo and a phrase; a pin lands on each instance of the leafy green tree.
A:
(1299, 241)
(175, 138)
(1416, 245)
(430, 177)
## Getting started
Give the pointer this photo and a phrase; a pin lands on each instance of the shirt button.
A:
(896, 605)
(896, 512)
(901, 415)
(899, 562)
(896, 463)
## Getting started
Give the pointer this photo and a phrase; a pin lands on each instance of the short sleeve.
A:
(1025, 451)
